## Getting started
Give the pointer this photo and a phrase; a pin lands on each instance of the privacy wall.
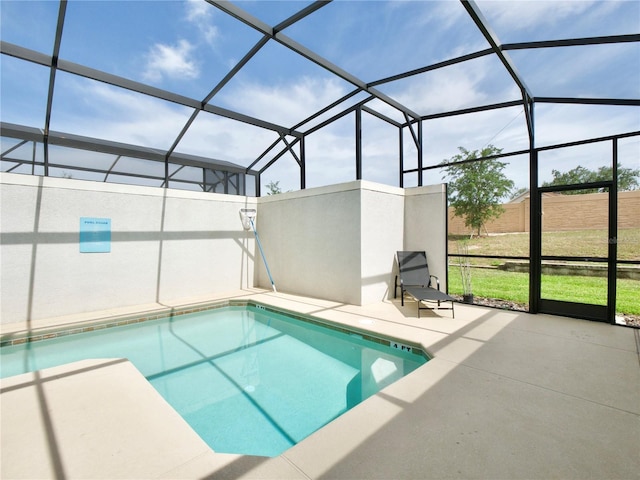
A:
(339, 242)
(71, 246)
(588, 211)
(164, 244)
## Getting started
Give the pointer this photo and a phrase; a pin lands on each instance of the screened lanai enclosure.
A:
(258, 97)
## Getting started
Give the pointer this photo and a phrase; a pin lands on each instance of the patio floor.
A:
(506, 395)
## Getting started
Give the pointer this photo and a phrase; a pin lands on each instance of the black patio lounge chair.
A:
(417, 282)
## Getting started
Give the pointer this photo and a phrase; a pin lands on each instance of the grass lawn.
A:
(513, 286)
(588, 243)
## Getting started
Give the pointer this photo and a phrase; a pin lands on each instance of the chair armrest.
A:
(437, 281)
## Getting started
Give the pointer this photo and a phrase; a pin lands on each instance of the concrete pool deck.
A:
(507, 395)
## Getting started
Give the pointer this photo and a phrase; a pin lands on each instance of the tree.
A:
(273, 188)
(627, 178)
(476, 188)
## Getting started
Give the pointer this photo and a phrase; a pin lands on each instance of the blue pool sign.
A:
(95, 235)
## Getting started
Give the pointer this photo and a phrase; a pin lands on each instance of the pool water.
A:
(247, 380)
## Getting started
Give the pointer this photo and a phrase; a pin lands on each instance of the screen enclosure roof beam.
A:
(482, 24)
(131, 85)
(288, 42)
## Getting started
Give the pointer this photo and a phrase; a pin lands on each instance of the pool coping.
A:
(480, 383)
(49, 332)
(106, 321)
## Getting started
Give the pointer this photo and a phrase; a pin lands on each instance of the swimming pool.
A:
(247, 379)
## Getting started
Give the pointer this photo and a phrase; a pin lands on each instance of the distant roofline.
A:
(80, 142)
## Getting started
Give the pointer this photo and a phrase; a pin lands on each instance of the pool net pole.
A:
(247, 215)
(264, 259)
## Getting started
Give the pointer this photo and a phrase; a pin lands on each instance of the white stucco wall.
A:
(336, 242)
(425, 226)
(339, 242)
(165, 244)
(311, 240)
(382, 235)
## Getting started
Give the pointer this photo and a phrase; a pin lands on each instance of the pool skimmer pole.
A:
(247, 215)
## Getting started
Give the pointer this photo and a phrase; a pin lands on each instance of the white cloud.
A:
(132, 118)
(197, 10)
(225, 139)
(330, 152)
(525, 15)
(441, 15)
(443, 92)
(556, 123)
(582, 71)
(330, 156)
(111, 113)
(461, 86)
(200, 14)
(171, 61)
(284, 104)
(178, 60)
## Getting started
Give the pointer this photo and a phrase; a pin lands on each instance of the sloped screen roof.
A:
(311, 93)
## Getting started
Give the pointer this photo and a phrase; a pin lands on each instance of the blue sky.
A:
(187, 47)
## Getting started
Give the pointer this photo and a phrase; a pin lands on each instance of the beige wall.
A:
(586, 212)
(336, 242)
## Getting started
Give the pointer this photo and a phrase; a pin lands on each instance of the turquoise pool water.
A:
(247, 380)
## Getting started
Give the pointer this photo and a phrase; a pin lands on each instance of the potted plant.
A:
(465, 271)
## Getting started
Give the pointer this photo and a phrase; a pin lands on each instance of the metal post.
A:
(166, 171)
(358, 143)
(612, 264)
(303, 163)
(52, 80)
(401, 156)
(420, 142)
(535, 221)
